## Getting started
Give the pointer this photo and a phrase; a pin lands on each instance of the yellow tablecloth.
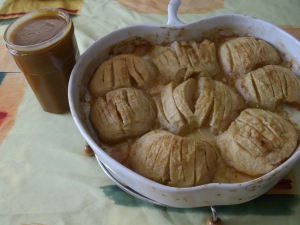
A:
(46, 179)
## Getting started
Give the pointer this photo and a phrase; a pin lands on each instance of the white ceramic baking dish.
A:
(203, 195)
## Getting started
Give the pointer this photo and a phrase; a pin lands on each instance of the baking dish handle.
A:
(173, 19)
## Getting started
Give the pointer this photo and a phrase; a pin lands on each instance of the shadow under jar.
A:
(44, 47)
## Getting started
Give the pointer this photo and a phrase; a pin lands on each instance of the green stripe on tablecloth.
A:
(265, 205)
(2, 75)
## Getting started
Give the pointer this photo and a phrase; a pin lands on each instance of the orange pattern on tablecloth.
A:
(161, 6)
(13, 8)
(7, 62)
(295, 31)
(12, 89)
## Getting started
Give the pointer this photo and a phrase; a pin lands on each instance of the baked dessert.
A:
(173, 160)
(183, 60)
(122, 71)
(198, 104)
(243, 54)
(163, 114)
(169, 116)
(217, 106)
(257, 142)
(269, 86)
(122, 113)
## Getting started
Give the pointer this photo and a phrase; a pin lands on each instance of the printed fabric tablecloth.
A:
(46, 179)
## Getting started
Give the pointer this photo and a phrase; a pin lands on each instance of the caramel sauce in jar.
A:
(44, 47)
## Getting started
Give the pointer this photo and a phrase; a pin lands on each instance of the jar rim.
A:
(27, 17)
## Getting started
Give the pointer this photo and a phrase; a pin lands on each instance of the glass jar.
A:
(44, 47)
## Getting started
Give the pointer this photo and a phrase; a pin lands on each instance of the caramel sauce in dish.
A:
(45, 49)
